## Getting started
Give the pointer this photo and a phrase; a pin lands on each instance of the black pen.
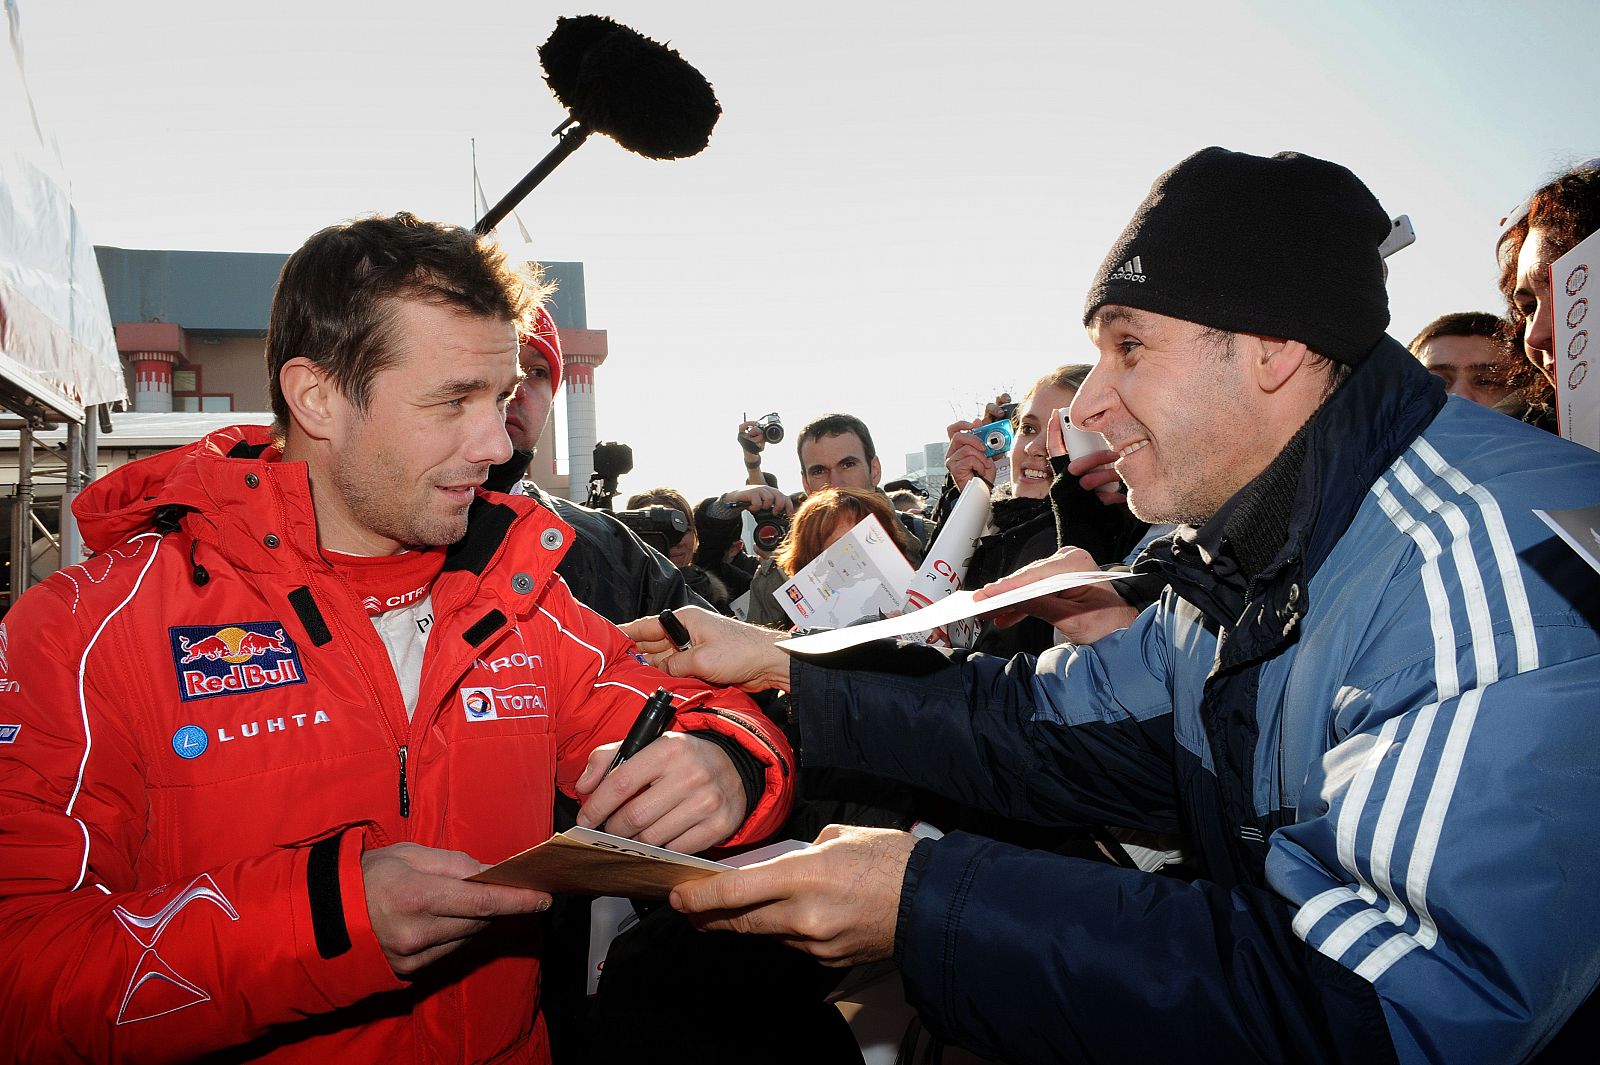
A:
(676, 631)
(647, 727)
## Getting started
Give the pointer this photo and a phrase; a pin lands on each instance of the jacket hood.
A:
(126, 501)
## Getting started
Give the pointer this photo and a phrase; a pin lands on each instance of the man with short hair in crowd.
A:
(312, 679)
(1366, 697)
(1467, 350)
(835, 451)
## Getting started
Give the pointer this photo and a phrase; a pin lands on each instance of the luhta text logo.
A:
(248, 730)
(233, 659)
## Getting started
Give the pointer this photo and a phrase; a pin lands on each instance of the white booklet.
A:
(1574, 288)
(1580, 528)
(862, 575)
(956, 606)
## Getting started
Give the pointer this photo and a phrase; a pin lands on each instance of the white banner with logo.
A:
(1574, 290)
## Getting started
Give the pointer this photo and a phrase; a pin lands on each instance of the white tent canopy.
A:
(58, 351)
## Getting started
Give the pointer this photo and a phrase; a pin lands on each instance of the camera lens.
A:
(769, 530)
(774, 433)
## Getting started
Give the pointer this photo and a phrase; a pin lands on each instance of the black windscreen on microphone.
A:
(641, 94)
(615, 81)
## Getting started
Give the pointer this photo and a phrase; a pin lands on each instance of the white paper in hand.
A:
(861, 575)
(954, 607)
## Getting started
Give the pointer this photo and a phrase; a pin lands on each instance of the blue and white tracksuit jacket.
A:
(1386, 763)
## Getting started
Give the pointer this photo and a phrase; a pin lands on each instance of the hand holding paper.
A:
(836, 900)
(722, 650)
(1082, 613)
(726, 651)
(862, 574)
(958, 606)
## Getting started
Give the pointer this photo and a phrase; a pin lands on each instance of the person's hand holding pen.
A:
(669, 789)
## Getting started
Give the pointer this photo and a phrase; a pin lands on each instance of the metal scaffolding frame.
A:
(72, 463)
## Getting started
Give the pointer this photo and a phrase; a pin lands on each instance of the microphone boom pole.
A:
(569, 142)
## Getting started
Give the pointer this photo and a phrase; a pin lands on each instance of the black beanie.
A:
(1284, 247)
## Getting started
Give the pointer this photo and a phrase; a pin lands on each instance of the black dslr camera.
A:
(771, 528)
(660, 527)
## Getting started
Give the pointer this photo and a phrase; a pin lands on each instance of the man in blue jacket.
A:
(1367, 697)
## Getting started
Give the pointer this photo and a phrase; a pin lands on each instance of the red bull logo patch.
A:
(233, 659)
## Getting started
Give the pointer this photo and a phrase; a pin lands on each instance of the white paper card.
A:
(861, 575)
(593, 837)
(953, 607)
(1575, 291)
(1580, 528)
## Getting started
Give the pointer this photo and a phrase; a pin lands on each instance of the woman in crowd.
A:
(1041, 509)
(827, 515)
(1544, 227)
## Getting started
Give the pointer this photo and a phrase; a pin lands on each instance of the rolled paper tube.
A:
(945, 566)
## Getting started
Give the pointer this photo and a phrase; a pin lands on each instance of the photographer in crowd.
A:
(681, 551)
(753, 437)
(835, 451)
(723, 516)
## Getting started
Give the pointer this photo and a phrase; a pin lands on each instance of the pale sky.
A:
(899, 212)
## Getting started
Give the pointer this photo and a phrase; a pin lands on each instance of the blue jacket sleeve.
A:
(1052, 745)
(1030, 956)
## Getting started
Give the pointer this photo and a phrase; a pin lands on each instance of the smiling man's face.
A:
(406, 468)
(1175, 401)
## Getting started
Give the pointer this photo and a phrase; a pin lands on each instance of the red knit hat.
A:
(547, 342)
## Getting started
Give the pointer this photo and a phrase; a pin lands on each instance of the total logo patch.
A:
(246, 656)
(497, 704)
(9, 733)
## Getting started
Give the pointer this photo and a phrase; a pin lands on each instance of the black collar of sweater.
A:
(1012, 511)
(1363, 427)
(1251, 528)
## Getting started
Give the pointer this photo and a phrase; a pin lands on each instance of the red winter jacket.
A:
(200, 731)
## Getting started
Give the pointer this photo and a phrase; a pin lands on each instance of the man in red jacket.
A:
(311, 679)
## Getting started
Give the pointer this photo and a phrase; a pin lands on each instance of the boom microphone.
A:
(615, 81)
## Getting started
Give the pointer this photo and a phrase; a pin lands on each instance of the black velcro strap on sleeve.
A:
(484, 627)
(310, 616)
(752, 773)
(327, 901)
